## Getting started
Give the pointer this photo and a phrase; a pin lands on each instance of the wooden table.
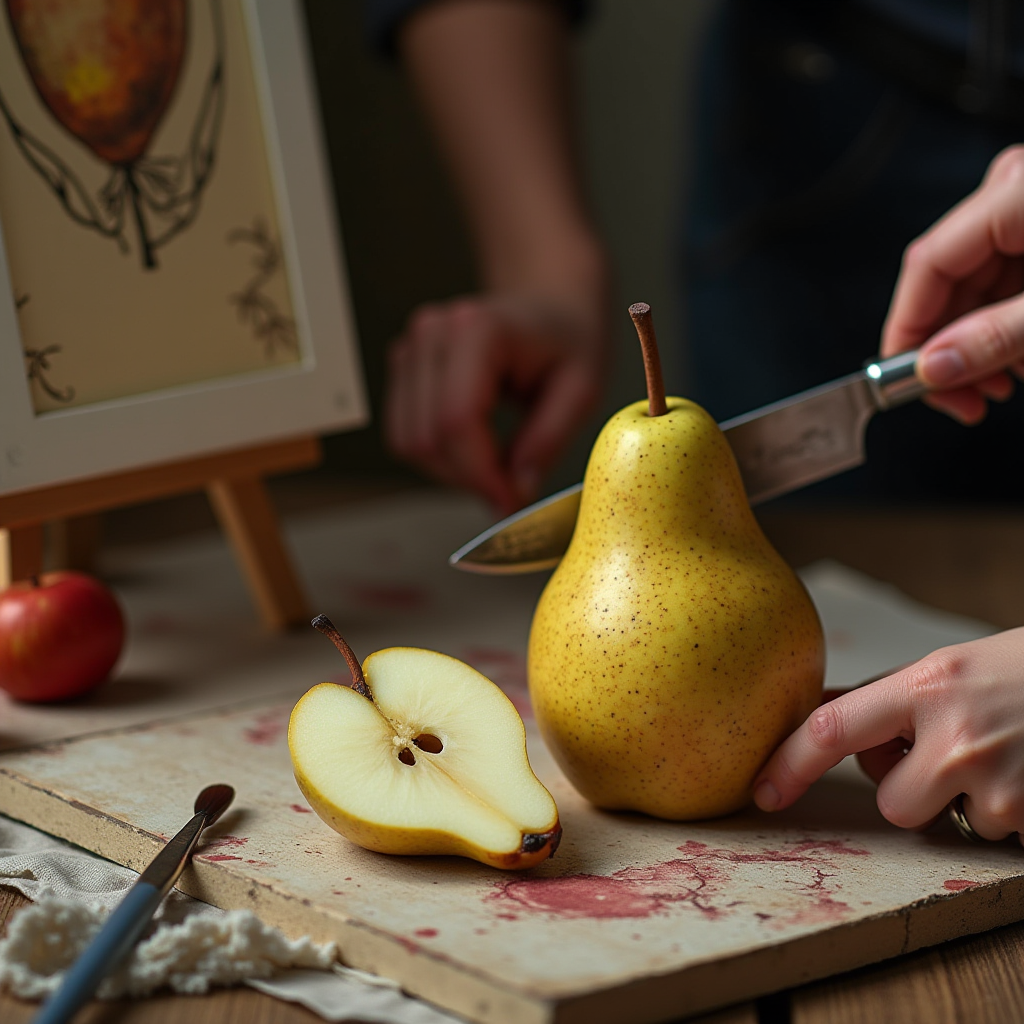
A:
(966, 561)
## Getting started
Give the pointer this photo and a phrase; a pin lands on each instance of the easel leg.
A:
(248, 518)
(21, 553)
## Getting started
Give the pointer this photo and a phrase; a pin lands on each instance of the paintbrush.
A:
(129, 920)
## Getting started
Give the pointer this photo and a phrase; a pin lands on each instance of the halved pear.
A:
(426, 756)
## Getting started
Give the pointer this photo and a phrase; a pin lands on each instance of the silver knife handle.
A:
(893, 380)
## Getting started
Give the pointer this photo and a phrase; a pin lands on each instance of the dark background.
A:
(401, 227)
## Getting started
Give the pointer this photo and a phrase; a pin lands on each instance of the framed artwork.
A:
(171, 281)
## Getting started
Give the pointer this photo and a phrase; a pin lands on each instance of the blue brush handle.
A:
(124, 926)
(113, 942)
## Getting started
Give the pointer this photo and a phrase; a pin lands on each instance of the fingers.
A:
(972, 241)
(878, 761)
(881, 720)
(951, 723)
(454, 364)
(427, 368)
(879, 764)
(977, 348)
(997, 388)
(859, 720)
(916, 790)
(958, 296)
(977, 345)
(442, 388)
(568, 398)
(967, 362)
(969, 404)
(404, 399)
(476, 361)
(991, 822)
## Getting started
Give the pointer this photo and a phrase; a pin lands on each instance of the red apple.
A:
(60, 635)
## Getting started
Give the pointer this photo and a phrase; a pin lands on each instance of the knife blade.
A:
(779, 448)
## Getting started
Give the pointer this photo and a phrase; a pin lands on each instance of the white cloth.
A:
(191, 947)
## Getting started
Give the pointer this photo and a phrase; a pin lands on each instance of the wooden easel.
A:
(234, 482)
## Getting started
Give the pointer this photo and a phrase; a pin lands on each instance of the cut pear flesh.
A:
(435, 763)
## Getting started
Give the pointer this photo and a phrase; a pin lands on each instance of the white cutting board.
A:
(634, 920)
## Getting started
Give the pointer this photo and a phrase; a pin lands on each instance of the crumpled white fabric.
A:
(202, 952)
(191, 946)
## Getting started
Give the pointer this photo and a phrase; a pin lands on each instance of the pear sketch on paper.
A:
(107, 71)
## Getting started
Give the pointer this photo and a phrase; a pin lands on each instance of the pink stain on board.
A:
(219, 856)
(822, 906)
(226, 842)
(394, 597)
(267, 728)
(426, 933)
(506, 669)
(700, 879)
(959, 884)
(299, 809)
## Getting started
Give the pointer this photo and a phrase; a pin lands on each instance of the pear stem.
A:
(329, 630)
(644, 324)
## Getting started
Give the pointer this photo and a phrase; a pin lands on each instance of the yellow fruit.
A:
(422, 755)
(673, 649)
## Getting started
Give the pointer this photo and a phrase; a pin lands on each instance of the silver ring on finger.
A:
(960, 822)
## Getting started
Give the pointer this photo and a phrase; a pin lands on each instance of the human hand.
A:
(457, 361)
(951, 723)
(959, 297)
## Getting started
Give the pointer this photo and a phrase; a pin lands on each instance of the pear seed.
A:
(428, 742)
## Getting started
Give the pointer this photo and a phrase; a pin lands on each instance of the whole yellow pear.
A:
(672, 649)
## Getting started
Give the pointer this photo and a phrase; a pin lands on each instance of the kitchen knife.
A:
(779, 448)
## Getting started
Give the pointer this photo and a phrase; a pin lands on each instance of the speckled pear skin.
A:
(672, 649)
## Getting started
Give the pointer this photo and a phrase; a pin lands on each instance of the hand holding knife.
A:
(779, 448)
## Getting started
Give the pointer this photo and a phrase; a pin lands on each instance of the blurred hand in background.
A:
(493, 77)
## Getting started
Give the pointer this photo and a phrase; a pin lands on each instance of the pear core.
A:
(673, 649)
(433, 762)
